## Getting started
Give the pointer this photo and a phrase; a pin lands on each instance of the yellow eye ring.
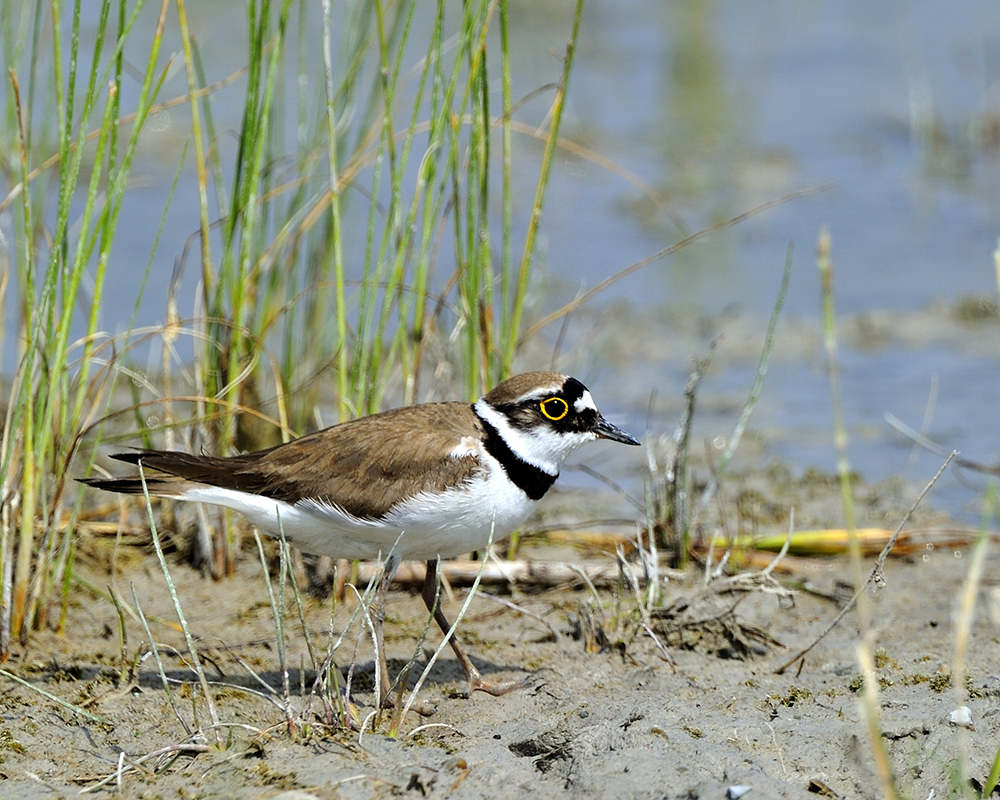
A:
(555, 408)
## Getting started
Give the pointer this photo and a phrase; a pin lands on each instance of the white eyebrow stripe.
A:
(545, 391)
(586, 401)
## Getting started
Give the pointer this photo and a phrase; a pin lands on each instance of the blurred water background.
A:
(709, 108)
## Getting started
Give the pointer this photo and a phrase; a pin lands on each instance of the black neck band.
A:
(531, 480)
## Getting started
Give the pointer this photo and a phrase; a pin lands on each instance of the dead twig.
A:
(523, 611)
(928, 444)
(521, 572)
(666, 251)
(171, 750)
(876, 573)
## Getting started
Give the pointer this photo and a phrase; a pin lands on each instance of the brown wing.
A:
(363, 466)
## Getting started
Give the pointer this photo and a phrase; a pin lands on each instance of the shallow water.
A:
(724, 105)
(717, 107)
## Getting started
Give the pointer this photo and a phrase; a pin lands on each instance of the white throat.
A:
(544, 448)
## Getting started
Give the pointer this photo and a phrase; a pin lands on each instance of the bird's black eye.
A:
(554, 408)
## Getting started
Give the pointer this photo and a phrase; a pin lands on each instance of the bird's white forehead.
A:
(586, 401)
(541, 391)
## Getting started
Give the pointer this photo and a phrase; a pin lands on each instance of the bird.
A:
(422, 482)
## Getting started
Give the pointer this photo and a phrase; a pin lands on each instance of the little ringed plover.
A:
(422, 482)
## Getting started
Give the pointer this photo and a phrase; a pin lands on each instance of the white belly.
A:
(425, 527)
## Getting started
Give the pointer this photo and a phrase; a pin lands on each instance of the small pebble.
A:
(961, 716)
(295, 795)
(736, 792)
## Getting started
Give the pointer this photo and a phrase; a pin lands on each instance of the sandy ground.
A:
(620, 722)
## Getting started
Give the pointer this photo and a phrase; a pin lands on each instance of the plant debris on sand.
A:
(625, 718)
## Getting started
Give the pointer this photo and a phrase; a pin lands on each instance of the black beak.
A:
(605, 430)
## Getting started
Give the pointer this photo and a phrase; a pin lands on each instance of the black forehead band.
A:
(573, 390)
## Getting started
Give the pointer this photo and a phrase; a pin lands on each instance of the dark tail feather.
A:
(158, 459)
(167, 472)
(131, 456)
(155, 486)
(156, 482)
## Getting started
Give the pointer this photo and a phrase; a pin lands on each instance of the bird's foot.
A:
(498, 688)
